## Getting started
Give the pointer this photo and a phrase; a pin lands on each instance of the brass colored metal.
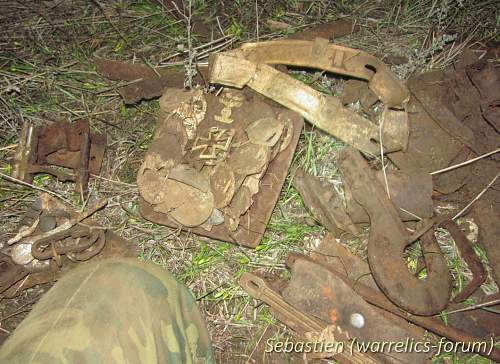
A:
(250, 66)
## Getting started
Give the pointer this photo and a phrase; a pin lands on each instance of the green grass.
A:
(47, 73)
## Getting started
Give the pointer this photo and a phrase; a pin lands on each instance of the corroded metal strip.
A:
(388, 240)
(248, 66)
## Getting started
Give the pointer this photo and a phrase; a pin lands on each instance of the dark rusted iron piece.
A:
(411, 193)
(250, 66)
(226, 147)
(479, 274)
(330, 30)
(487, 216)
(430, 147)
(114, 246)
(486, 77)
(52, 240)
(321, 200)
(388, 240)
(72, 242)
(305, 325)
(433, 93)
(320, 293)
(82, 174)
(144, 82)
(432, 324)
(72, 146)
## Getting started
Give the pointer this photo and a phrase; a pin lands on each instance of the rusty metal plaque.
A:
(217, 163)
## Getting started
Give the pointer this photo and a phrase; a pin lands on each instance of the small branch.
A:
(191, 51)
(466, 162)
(18, 181)
(382, 156)
(476, 306)
(477, 197)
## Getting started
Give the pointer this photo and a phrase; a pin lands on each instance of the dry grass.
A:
(46, 73)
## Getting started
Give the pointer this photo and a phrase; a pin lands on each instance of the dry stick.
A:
(205, 45)
(19, 310)
(466, 162)
(15, 180)
(256, 345)
(190, 47)
(477, 197)
(24, 232)
(8, 147)
(113, 181)
(382, 157)
(473, 307)
(187, 19)
(257, 19)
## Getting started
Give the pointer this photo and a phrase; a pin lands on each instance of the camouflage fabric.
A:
(112, 311)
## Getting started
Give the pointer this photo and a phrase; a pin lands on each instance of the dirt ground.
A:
(47, 72)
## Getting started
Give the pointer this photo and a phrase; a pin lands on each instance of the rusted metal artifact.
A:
(411, 193)
(373, 296)
(305, 325)
(250, 66)
(217, 163)
(51, 242)
(387, 241)
(479, 274)
(319, 292)
(42, 149)
(323, 203)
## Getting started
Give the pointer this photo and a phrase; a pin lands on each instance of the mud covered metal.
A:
(388, 240)
(250, 66)
(217, 163)
(47, 148)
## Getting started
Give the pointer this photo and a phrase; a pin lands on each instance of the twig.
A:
(191, 51)
(12, 146)
(466, 162)
(113, 181)
(411, 213)
(382, 156)
(220, 27)
(23, 232)
(473, 307)
(477, 197)
(257, 19)
(19, 310)
(15, 180)
(261, 336)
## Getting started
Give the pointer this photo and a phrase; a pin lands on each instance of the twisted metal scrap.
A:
(249, 66)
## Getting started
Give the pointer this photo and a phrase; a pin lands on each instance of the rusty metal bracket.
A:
(388, 240)
(41, 149)
(479, 274)
(70, 245)
(250, 66)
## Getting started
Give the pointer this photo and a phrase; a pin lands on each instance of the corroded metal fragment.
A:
(250, 66)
